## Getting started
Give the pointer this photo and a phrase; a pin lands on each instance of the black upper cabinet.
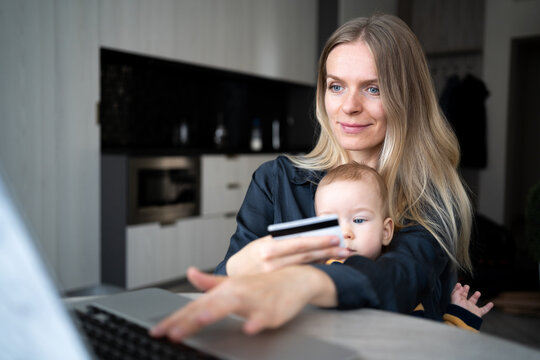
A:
(149, 103)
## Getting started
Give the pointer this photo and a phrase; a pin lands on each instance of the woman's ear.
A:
(388, 231)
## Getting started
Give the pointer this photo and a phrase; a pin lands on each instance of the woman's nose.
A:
(352, 103)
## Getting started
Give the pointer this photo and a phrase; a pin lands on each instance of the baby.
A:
(358, 195)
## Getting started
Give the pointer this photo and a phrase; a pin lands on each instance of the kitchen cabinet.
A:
(160, 253)
(225, 180)
(156, 253)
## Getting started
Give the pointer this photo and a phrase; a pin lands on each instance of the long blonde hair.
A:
(420, 153)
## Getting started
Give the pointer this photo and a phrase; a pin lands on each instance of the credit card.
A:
(314, 226)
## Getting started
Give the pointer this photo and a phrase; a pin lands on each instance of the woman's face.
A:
(353, 103)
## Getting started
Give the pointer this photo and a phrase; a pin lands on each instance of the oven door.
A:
(163, 189)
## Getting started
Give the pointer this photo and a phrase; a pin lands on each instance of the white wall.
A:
(49, 86)
(49, 140)
(505, 20)
(275, 38)
(349, 9)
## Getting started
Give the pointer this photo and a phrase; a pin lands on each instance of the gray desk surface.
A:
(376, 334)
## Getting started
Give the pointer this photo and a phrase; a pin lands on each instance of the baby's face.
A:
(360, 211)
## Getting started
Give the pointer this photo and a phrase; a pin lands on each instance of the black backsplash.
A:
(144, 101)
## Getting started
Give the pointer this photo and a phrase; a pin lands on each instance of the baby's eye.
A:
(358, 220)
(372, 90)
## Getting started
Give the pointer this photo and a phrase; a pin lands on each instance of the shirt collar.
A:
(302, 176)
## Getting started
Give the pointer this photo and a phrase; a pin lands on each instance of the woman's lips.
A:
(352, 128)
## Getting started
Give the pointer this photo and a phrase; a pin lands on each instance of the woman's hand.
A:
(266, 254)
(265, 300)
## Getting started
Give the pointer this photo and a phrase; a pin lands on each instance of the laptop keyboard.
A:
(113, 337)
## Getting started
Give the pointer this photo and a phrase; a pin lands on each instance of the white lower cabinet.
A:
(225, 180)
(157, 253)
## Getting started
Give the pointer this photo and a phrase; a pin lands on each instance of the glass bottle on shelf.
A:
(276, 141)
(220, 134)
(256, 142)
(181, 133)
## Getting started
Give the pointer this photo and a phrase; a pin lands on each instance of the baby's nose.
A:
(347, 232)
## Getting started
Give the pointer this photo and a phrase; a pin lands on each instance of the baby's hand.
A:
(460, 297)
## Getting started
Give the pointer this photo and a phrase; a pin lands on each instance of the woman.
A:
(376, 105)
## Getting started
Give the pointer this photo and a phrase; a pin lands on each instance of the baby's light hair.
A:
(354, 171)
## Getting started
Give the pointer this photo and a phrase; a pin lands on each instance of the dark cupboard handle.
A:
(231, 186)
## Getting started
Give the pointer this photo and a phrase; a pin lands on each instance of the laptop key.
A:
(112, 337)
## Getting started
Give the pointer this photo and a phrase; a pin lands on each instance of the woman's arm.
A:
(264, 300)
(408, 274)
(414, 270)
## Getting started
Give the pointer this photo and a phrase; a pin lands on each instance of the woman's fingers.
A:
(221, 300)
(250, 258)
(265, 300)
(267, 254)
(201, 280)
(307, 257)
(193, 317)
(196, 314)
(302, 250)
(252, 327)
(281, 248)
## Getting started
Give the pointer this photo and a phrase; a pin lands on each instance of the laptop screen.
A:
(34, 323)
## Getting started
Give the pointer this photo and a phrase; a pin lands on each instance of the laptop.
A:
(36, 323)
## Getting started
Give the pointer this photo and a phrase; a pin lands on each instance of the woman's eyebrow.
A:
(366, 81)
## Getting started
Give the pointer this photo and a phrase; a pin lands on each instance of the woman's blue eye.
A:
(335, 87)
(358, 221)
(373, 90)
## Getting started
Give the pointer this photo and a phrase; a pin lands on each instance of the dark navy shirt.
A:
(414, 270)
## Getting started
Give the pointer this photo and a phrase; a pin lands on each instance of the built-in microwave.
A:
(163, 188)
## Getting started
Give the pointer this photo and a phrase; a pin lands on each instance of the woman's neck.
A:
(370, 159)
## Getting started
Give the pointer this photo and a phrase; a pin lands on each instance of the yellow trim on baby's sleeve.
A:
(330, 261)
(455, 321)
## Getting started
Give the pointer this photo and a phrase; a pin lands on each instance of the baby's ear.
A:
(388, 231)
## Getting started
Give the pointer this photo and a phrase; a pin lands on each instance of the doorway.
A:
(523, 136)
